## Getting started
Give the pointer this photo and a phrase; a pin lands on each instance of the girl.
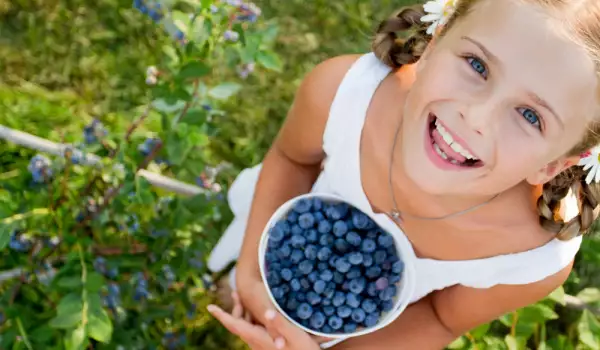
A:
(463, 145)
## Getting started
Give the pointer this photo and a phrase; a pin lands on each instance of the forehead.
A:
(534, 54)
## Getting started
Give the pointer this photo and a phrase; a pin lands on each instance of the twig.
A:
(573, 302)
(23, 334)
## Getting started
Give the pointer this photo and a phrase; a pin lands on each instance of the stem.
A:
(189, 103)
(18, 217)
(513, 328)
(84, 311)
(23, 334)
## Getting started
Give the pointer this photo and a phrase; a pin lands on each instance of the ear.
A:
(552, 169)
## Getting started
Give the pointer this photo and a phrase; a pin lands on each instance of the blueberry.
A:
(324, 227)
(295, 285)
(372, 289)
(327, 329)
(319, 216)
(354, 273)
(325, 302)
(350, 224)
(339, 299)
(397, 267)
(342, 265)
(340, 228)
(387, 305)
(337, 211)
(292, 217)
(319, 286)
(283, 226)
(303, 206)
(306, 267)
(373, 272)
(313, 276)
(296, 230)
(342, 246)
(333, 260)
(352, 300)
(360, 220)
(324, 254)
(329, 310)
(285, 288)
(335, 323)
(329, 292)
(353, 238)
(292, 304)
(371, 320)
(273, 278)
(368, 245)
(284, 251)
(358, 315)
(344, 311)
(312, 236)
(382, 283)
(296, 256)
(373, 234)
(286, 274)
(368, 305)
(355, 258)
(277, 293)
(346, 286)
(313, 298)
(305, 283)
(301, 297)
(326, 240)
(393, 279)
(338, 277)
(350, 328)
(322, 266)
(306, 220)
(326, 275)
(388, 293)
(317, 320)
(368, 260)
(276, 234)
(317, 204)
(358, 285)
(304, 311)
(380, 257)
(298, 241)
(385, 241)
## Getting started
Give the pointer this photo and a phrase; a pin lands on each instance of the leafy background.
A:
(63, 63)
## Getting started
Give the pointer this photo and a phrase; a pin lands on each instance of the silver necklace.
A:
(397, 214)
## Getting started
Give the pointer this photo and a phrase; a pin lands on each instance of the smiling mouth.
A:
(449, 149)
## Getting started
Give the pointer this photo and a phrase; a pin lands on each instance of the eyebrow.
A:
(536, 98)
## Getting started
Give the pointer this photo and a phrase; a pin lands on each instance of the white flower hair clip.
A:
(438, 13)
(590, 161)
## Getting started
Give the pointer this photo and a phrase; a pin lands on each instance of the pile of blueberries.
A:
(331, 268)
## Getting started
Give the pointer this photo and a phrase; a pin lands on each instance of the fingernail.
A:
(280, 343)
(270, 315)
(212, 308)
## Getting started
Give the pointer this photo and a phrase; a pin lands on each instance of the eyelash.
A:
(470, 59)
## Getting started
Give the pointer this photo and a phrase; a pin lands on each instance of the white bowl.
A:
(405, 286)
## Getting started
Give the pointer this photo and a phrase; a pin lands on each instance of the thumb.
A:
(292, 334)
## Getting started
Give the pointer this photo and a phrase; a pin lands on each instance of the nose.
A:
(478, 116)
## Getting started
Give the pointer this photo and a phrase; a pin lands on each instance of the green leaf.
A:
(558, 295)
(589, 295)
(94, 282)
(194, 70)
(458, 343)
(270, 61)
(77, 339)
(537, 313)
(162, 105)
(195, 116)
(99, 324)
(5, 232)
(480, 331)
(515, 343)
(589, 330)
(224, 91)
(69, 312)
(69, 282)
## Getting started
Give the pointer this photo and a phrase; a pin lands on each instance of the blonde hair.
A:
(402, 39)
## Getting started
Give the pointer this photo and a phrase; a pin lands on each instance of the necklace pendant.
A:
(396, 215)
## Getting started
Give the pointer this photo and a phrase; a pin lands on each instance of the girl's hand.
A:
(257, 337)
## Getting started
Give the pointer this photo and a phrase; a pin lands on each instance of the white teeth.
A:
(439, 151)
(450, 141)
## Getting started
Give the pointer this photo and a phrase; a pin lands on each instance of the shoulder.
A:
(462, 308)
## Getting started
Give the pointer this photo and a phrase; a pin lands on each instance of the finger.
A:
(248, 317)
(238, 309)
(252, 335)
(288, 331)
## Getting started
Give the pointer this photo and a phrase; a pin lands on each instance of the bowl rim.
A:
(406, 291)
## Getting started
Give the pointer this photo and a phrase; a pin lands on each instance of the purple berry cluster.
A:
(331, 268)
(152, 9)
(94, 132)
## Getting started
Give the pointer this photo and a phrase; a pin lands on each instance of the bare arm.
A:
(292, 164)
(435, 321)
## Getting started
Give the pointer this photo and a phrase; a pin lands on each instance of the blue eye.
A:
(478, 66)
(531, 117)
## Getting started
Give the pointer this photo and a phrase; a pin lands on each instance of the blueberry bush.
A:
(56, 82)
(93, 256)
